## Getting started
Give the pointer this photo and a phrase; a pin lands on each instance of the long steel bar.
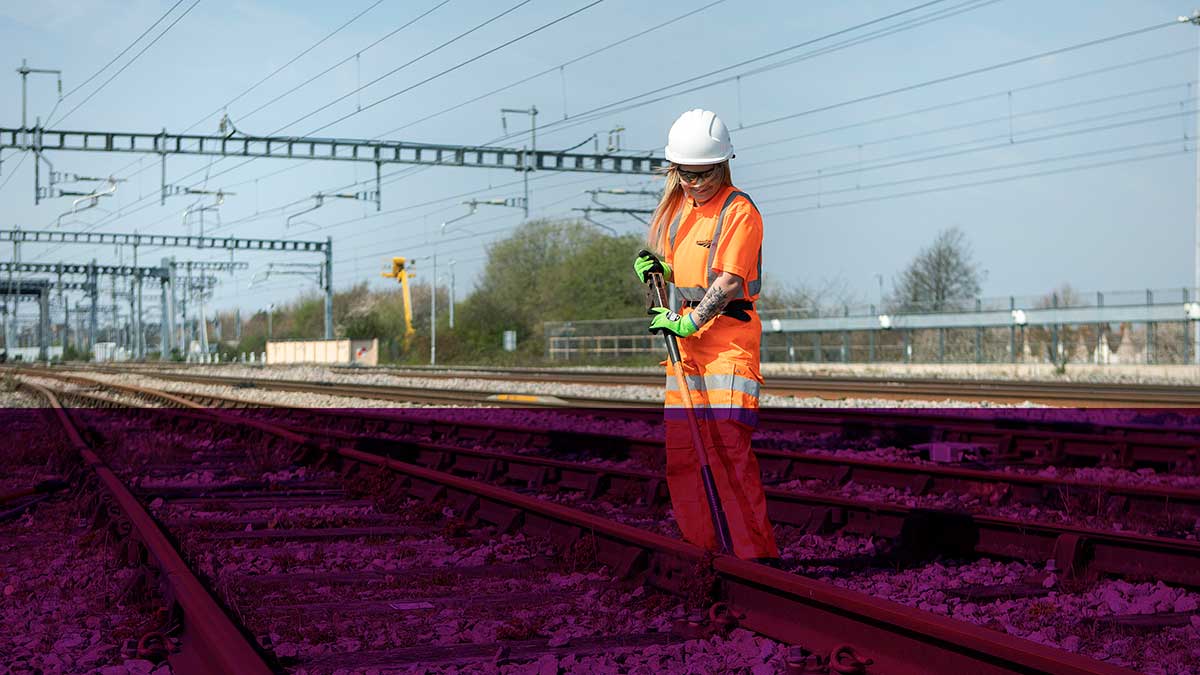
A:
(166, 240)
(229, 243)
(339, 149)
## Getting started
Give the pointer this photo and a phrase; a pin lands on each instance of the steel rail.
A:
(899, 640)
(1073, 394)
(210, 641)
(1006, 438)
(394, 393)
(789, 465)
(892, 388)
(1079, 552)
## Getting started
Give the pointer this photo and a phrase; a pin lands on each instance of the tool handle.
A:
(658, 288)
(716, 511)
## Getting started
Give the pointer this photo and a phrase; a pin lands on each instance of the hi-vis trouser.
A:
(720, 363)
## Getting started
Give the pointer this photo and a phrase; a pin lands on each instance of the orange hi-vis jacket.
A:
(722, 235)
(721, 366)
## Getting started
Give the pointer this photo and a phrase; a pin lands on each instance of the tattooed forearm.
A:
(714, 301)
(724, 288)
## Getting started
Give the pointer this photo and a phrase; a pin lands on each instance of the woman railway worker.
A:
(709, 234)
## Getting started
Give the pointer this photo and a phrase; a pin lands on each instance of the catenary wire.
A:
(124, 51)
(127, 63)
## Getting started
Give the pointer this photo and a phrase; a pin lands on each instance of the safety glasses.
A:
(695, 177)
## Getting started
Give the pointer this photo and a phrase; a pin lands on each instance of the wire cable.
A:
(459, 65)
(976, 99)
(297, 57)
(321, 74)
(127, 63)
(552, 69)
(901, 13)
(969, 172)
(402, 66)
(302, 84)
(993, 181)
(603, 110)
(904, 159)
(963, 74)
(138, 39)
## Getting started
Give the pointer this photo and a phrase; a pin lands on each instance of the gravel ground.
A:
(1076, 372)
(59, 385)
(294, 399)
(1060, 619)
(61, 609)
(979, 504)
(832, 445)
(17, 399)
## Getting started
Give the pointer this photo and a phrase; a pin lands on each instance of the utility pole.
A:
(328, 272)
(35, 143)
(1194, 19)
(452, 261)
(24, 71)
(433, 286)
(527, 158)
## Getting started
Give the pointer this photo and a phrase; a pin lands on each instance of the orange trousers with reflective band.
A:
(720, 363)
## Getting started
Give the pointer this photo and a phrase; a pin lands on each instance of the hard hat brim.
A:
(677, 159)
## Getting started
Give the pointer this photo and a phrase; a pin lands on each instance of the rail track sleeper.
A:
(313, 534)
(409, 604)
(496, 653)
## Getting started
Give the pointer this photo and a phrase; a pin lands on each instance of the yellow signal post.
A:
(400, 272)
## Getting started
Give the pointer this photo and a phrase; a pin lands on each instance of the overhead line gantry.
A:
(377, 152)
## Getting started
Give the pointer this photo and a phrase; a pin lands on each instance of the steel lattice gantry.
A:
(40, 289)
(166, 274)
(325, 248)
(338, 149)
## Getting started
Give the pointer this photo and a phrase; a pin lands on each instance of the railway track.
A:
(1002, 437)
(899, 388)
(1061, 394)
(794, 609)
(919, 533)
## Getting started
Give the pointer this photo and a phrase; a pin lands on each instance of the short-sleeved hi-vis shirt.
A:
(723, 234)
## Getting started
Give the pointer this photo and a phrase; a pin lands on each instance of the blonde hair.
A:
(672, 201)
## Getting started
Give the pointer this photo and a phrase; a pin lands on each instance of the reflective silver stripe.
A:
(674, 229)
(732, 382)
(694, 382)
(752, 287)
(713, 382)
(691, 293)
(747, 416)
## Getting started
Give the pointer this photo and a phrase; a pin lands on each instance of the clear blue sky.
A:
(1124, 226)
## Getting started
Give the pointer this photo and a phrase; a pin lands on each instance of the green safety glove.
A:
(665, 319)
(647, 263)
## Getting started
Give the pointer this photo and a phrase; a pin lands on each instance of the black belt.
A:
(737, 309)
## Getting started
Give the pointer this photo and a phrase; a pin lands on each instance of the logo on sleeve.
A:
(704, 242)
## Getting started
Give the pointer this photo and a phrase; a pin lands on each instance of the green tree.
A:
(548, 271)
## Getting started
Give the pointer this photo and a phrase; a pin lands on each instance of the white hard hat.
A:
(698, 137)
